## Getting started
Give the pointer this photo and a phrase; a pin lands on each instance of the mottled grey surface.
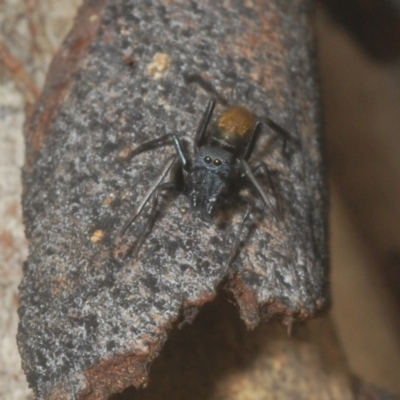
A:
(83, 301)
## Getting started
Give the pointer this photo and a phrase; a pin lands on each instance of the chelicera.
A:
(218, 172)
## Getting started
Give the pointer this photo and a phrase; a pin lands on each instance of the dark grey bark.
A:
(92, 317)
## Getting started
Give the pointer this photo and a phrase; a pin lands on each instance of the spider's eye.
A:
(207, 159)
(217, 162)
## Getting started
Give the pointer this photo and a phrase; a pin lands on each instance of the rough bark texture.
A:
(93, 317)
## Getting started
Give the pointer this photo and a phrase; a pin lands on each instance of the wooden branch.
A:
(93, 318)
(18, 73)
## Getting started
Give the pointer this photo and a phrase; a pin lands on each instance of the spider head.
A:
(210, 178)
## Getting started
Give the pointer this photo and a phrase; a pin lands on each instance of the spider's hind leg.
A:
(236, 242)
(285, 135)
(261, 167)
(269, 207)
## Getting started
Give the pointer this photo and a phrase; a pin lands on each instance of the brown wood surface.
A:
(93, 317)
(363, 311)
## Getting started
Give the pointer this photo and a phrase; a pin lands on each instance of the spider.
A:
(215, 176)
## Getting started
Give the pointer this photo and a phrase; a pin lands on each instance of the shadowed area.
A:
(216, 357)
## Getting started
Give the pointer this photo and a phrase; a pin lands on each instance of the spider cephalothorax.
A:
(220, 166)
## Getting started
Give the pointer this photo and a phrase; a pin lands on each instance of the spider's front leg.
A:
(205, 121)
(153, 187)
(163, 187)
(161, 141)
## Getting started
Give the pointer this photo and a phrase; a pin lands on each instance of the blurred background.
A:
(359, 51)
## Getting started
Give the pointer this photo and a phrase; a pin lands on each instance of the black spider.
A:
(216, 174)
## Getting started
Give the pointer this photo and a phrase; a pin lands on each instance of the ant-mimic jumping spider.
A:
(216, 174)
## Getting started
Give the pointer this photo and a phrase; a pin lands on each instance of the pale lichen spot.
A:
(93, 18)
(159, 64)
(108, 200)
(97, 236)
(254, 76)
(128, 57)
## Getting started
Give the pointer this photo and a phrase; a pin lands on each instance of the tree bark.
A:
(93, 317)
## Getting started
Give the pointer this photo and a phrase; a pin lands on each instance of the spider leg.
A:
(159, 142)
(277, 128)
(206, 85)
(236, 242)
(151, 144)
(153, 213)
(260, 165)
(256, 167)
(138, 209)
(252, 141)
(248, 172)
(180, 152)
(254, 136)
(199, 137)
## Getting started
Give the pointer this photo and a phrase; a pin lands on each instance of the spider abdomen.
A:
(234, 127)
